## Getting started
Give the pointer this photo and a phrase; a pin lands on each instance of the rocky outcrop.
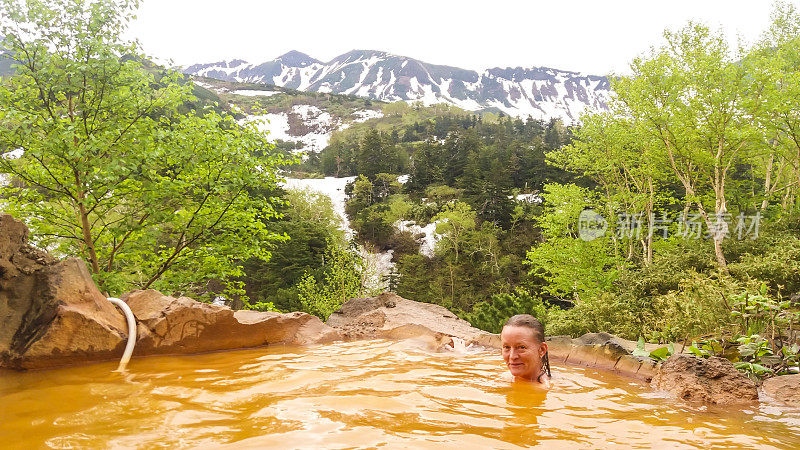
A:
(170, 325)
(714, 380)
(51, 312)
(389, 316)
(785, 389)
(603, 351)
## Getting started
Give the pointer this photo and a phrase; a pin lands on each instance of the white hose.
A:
(126, 356)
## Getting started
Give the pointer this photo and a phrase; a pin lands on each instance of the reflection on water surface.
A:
(360, 394)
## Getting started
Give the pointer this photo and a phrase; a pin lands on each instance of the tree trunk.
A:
(720, 256)
(718, 236)
(720, 208)
(768, 182)
(795, 197)
(83, 217)
(785, 201)
(648, 258)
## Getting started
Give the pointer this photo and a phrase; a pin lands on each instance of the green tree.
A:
(341, 281)
(572, 267)
(487, 185)
(491, 315)
(111, 168)
(628, 173)
(373, 154)
(309, 220)
(454, 223)
(774, 69)
(691, 97)
(426, 166)
(337, 159)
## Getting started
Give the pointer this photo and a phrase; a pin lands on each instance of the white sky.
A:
(590, 36)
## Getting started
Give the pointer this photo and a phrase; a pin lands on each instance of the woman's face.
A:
(522, 352)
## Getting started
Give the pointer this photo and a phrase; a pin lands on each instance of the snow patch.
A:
(379, 266)
(529, 198)
(277, 125)
(429, 239)
(205, 85)
(14, 154)
(364, 115)
(320, 122)
(254, 93)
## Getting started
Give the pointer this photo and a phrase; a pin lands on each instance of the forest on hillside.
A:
(671, 217)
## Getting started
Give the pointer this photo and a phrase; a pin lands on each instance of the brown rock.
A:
(170, 325)
(488, 340)
(629, 366)
(603, 351)
(559, 347)
(51, 312)
(600, 353)
(296, 328)
(785, 388)
(613, 343)
(714, 380)
(389, 316)
(648, 369)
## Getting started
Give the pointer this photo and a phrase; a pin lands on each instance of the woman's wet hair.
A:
(528, 321)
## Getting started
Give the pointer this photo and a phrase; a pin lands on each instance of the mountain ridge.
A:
(539, 92)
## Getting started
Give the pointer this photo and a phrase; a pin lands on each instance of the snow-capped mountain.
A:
(539, 92)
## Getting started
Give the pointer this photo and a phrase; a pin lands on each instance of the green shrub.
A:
(491, 315)
(403, 243)
(372, 225)
(606, 312)
(341, 281)
(695, 308)
(778, 266)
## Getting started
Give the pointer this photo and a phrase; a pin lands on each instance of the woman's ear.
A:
(542, 349)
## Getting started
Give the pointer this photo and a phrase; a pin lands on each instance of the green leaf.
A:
(640, 351)
(759, 369)
(660, 353)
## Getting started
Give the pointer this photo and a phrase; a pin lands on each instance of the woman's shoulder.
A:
(544, 380)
